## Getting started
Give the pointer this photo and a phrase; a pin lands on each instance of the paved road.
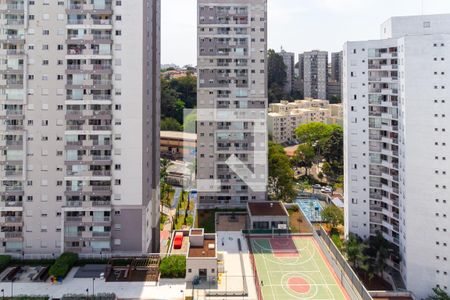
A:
(176, 197)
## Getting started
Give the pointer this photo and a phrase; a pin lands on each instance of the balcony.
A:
(11, 220)
(11, 7)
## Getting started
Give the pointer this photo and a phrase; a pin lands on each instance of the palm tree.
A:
(380, 251)
(354, 250)
(439, 294)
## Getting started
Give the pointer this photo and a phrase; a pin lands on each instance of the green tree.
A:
(277, 76)
(333, 215)
(439, 294)
(186, 87)
(304, 157)
(171, 124)
(304, 185)
(281, 182)
(379, 251)
(171, 104)
(332, 148)
(354, 249)
(333, 172)
(313, 133)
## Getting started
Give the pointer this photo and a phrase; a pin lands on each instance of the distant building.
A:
(334, 91)
(288, 59)
(315, 74)
(175, 145)
(336, 66)
(285, 117)
(334, 84)
(299, 82)
(175, 74)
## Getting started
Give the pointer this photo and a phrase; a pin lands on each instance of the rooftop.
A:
(178, 135)
(208, 249)
(266, 209)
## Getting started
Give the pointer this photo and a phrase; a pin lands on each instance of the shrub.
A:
(63, 264)
(4, 261)
(173, 267)
(337, 241)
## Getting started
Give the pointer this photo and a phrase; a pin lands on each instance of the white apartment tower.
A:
(232, 81)
(79, 129)
(397, 164)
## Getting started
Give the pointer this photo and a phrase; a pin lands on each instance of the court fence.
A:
(347, 276)
(255, 272)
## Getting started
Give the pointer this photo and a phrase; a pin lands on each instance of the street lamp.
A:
(3, 294)
(87, 294)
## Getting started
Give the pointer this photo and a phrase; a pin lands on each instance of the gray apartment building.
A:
(288, 59)
(231, 101)
(315, 74)
(79, 130)
(334, 84)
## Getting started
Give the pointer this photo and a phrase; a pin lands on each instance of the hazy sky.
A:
(297, 25)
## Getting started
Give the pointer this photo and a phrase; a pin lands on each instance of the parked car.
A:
(326, 189)
(316, 186)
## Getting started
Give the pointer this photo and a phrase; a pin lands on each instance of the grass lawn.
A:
(168, 198)
(298, 222)
(184, 212)
(206, 218)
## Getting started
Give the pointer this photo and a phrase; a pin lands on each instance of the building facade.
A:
(288, 59)
(284, 117)
(396, 164)
(334, 84)
(315, 74)
(76, 77)
(232, 85)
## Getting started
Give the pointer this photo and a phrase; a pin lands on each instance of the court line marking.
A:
(321, 275)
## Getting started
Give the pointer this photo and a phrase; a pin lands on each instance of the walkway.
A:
(165, 289)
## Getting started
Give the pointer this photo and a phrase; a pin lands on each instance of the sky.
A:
(296, 25)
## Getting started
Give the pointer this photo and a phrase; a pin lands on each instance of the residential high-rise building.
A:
(299, 84)
(79, 92)
(334, 84)
(396, 107)
(288, 59)
(232, 85)
(315, 74)
(336, 66)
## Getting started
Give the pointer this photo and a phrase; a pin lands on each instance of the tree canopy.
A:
(176, 95)
(171, 124)
(333, 215)
(277, 76)
(281, 183)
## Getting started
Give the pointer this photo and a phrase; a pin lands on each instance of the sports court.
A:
(294, 267)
